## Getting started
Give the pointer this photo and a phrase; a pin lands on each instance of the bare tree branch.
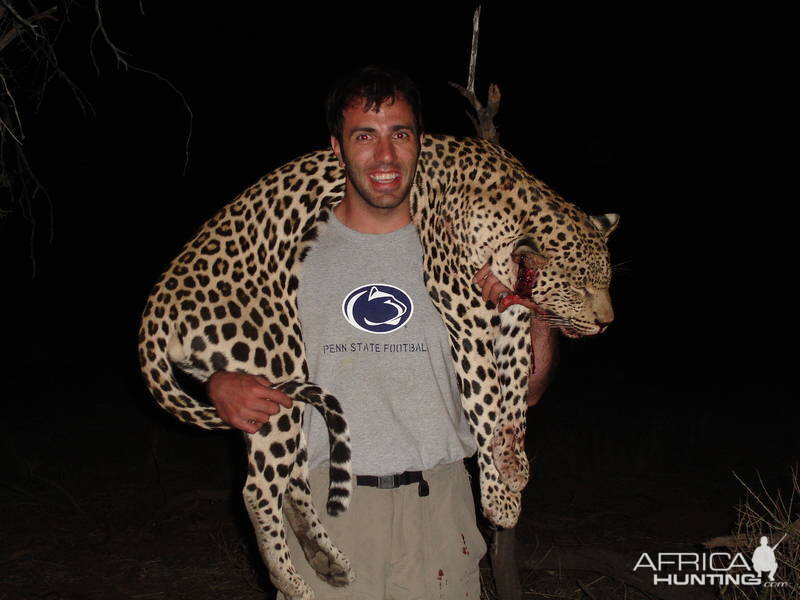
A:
(5, 126)
(15, 30)
(19, 19)
(767, 512)
(185, 106)
(119, 55)
(483, 120)
(100, 28)
(473, 54)
(748, 541)
(20, 189)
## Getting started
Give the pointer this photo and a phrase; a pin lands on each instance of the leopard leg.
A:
(500, 505)
(326, 559)
(270, 464)
(497, 419)
(478, 372)
(512, 351)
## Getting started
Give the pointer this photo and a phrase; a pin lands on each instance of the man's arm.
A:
(244, 401)
(544, 344)
(247, 401)
(544, 347)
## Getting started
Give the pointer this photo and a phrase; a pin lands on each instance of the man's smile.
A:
(385, 178)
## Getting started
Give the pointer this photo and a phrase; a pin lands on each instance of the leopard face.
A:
(567, 273)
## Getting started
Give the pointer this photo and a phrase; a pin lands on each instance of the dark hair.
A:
(375, 85)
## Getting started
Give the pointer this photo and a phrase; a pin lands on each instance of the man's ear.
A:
(337, 150)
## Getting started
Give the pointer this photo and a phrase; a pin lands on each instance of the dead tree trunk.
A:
(503, 557)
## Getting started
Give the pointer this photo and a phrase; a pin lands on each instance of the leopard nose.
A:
(602, 324)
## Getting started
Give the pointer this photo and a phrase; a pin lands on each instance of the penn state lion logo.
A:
(377, 308)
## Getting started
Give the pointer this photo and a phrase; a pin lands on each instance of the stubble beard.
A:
(368, 197)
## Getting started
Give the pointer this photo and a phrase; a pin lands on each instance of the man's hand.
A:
(245, 401)
(493, 290)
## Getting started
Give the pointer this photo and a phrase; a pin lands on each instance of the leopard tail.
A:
(341, 477)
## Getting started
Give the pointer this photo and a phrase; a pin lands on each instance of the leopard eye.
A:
(579, 289)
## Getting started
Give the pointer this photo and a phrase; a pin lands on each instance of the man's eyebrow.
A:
(366, 129)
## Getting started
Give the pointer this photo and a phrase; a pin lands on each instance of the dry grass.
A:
(771, 514)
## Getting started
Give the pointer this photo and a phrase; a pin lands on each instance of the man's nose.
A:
(385, 152)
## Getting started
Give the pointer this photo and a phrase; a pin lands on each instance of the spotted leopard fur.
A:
(475, 203)
(229, 302)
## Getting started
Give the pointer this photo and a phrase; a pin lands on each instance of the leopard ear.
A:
(526, 253)
(605, 224)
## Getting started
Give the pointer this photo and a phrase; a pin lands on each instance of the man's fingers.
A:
(262, 381)
(273, 396)
(270, 393)
(247, 425)
(259, 410)
(482, 273)
(493, 288)
(245, 401)
(281, 398)
(486, 283)
(256, 414)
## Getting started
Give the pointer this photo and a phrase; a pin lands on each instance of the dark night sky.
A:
(674, 119)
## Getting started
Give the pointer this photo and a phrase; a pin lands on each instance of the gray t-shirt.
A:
(374, 339)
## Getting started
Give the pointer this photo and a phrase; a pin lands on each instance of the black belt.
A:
(390, 482)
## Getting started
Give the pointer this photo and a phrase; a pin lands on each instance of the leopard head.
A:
(563, 267)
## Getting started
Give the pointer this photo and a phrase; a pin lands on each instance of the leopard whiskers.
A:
(622, 267)
(554, 321)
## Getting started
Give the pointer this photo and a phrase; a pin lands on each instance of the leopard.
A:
(475, 203)
(228, 301)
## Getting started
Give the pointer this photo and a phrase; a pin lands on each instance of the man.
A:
(764, 558)
(374, 339)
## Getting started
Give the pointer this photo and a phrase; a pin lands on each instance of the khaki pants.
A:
(403, 546)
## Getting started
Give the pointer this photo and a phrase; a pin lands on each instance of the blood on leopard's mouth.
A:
(526, 277)
(523, 288)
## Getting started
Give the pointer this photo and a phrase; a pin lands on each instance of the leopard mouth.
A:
(571, 332)
(523, 290)
(526, 277)
(523, 287)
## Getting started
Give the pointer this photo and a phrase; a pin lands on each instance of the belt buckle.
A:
(387, 482)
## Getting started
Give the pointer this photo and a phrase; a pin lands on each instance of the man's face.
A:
(379, 151)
